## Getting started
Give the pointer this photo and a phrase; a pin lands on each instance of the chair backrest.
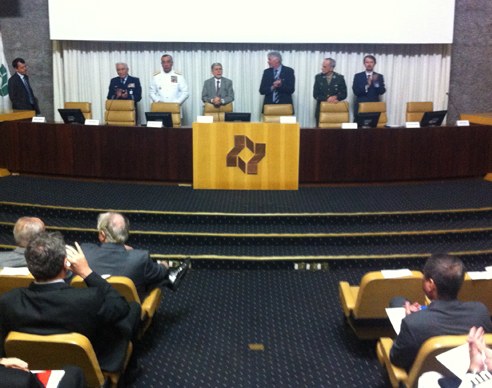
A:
(9, 282)
(477, 291)
(216, 112)
(426, 357)
(415, 110)
(120, 112)
(333, 115)
(54, 352)
(172, 107)
(272, 112)
(122, 284)
(366, 107)
(85, 107)
(375, 293)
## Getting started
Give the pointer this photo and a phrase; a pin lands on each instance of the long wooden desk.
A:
(478, 118)
(165, 154)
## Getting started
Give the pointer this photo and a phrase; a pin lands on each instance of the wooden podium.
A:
(246, 156)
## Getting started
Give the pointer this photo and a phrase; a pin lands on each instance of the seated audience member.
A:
(50, 306)
(113, 257)
(24, 230)
(217, 90)
(446, 315)
(14, 373)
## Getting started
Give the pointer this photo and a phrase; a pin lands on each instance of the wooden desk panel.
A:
(478, 118)
(165, 154)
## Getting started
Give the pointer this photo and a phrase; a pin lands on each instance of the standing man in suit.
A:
(217, 90)
(25, 229)
(20, 91)
(112, 256)
(446, 315)
(168, 85)
(328, 85)
(368, 85)
(278, 81)
(50, 306)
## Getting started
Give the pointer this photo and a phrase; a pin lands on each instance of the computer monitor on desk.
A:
(72, 116)
(237, 116)
(433, 119)
(165, 117)
(368, 119)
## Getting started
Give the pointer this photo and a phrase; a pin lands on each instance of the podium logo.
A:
(244, 148)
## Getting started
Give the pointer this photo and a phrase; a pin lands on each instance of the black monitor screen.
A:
(72, 116)
(165, 117)
(237, 116)
(433, 119)
(368, 120)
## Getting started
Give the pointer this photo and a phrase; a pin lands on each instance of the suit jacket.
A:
(132, 85)
(440, 318)
(13, 258)
(98, 312)
(136, 264)
(16, 378)
(19, 96)
(322, 90)
(284, 92)
(226, 91)
(372, 93)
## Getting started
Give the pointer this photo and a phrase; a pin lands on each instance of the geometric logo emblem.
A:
(241, 143)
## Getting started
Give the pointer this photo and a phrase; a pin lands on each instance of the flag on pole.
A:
(5, 105)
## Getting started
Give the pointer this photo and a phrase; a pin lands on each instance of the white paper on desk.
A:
(396, 315)
(55, 377)
(395, 273)
(14, 271)
(480, 275)
(489, 268)
(457, 360)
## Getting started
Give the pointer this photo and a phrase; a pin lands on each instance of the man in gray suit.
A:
(25, 229)
(217, 90)
(446, 315)
(113, 257)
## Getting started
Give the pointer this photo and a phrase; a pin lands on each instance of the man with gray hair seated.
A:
(25, 229)
(113, 257)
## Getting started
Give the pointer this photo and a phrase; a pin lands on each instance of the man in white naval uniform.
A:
(167, 85)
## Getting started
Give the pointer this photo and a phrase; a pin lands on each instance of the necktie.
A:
(28, 89)
(218, 88)
(275, 96)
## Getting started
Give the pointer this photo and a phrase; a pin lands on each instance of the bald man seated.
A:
(25, 229)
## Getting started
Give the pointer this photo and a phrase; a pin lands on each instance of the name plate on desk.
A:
(39, 119)
(288, 119)
(154, 124)
(91, 122)
(412, 124)
(462, 123)
(205, 119)
(349, 125)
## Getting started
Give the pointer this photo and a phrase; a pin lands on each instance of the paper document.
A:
(14, 271)
(457, 360)
(480, 275)
(396, 273)
(396, 315)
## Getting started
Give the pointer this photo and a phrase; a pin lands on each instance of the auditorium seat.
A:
(217, 113)
(172, 107)
(272, 112)
(57, 350)
(127, 289)
(364, 305)
(476, 290)
(367, 107)
(424, 362)
(85, 107)
(9, 282)
(333, 115)
(120, 112)
(415, 110)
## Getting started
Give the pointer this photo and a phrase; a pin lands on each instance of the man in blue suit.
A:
(124, 87)
(278, 81)
(20, 90)
(368, 85)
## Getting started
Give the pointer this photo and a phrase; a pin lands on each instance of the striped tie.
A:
(275, 96)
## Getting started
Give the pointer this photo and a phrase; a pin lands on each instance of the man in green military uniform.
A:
(328, 85)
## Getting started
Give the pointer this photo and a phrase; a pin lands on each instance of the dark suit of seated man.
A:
(446, 315)
(113, 257)
(50, 306)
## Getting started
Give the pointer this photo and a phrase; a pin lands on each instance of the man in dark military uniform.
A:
(328, 86)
